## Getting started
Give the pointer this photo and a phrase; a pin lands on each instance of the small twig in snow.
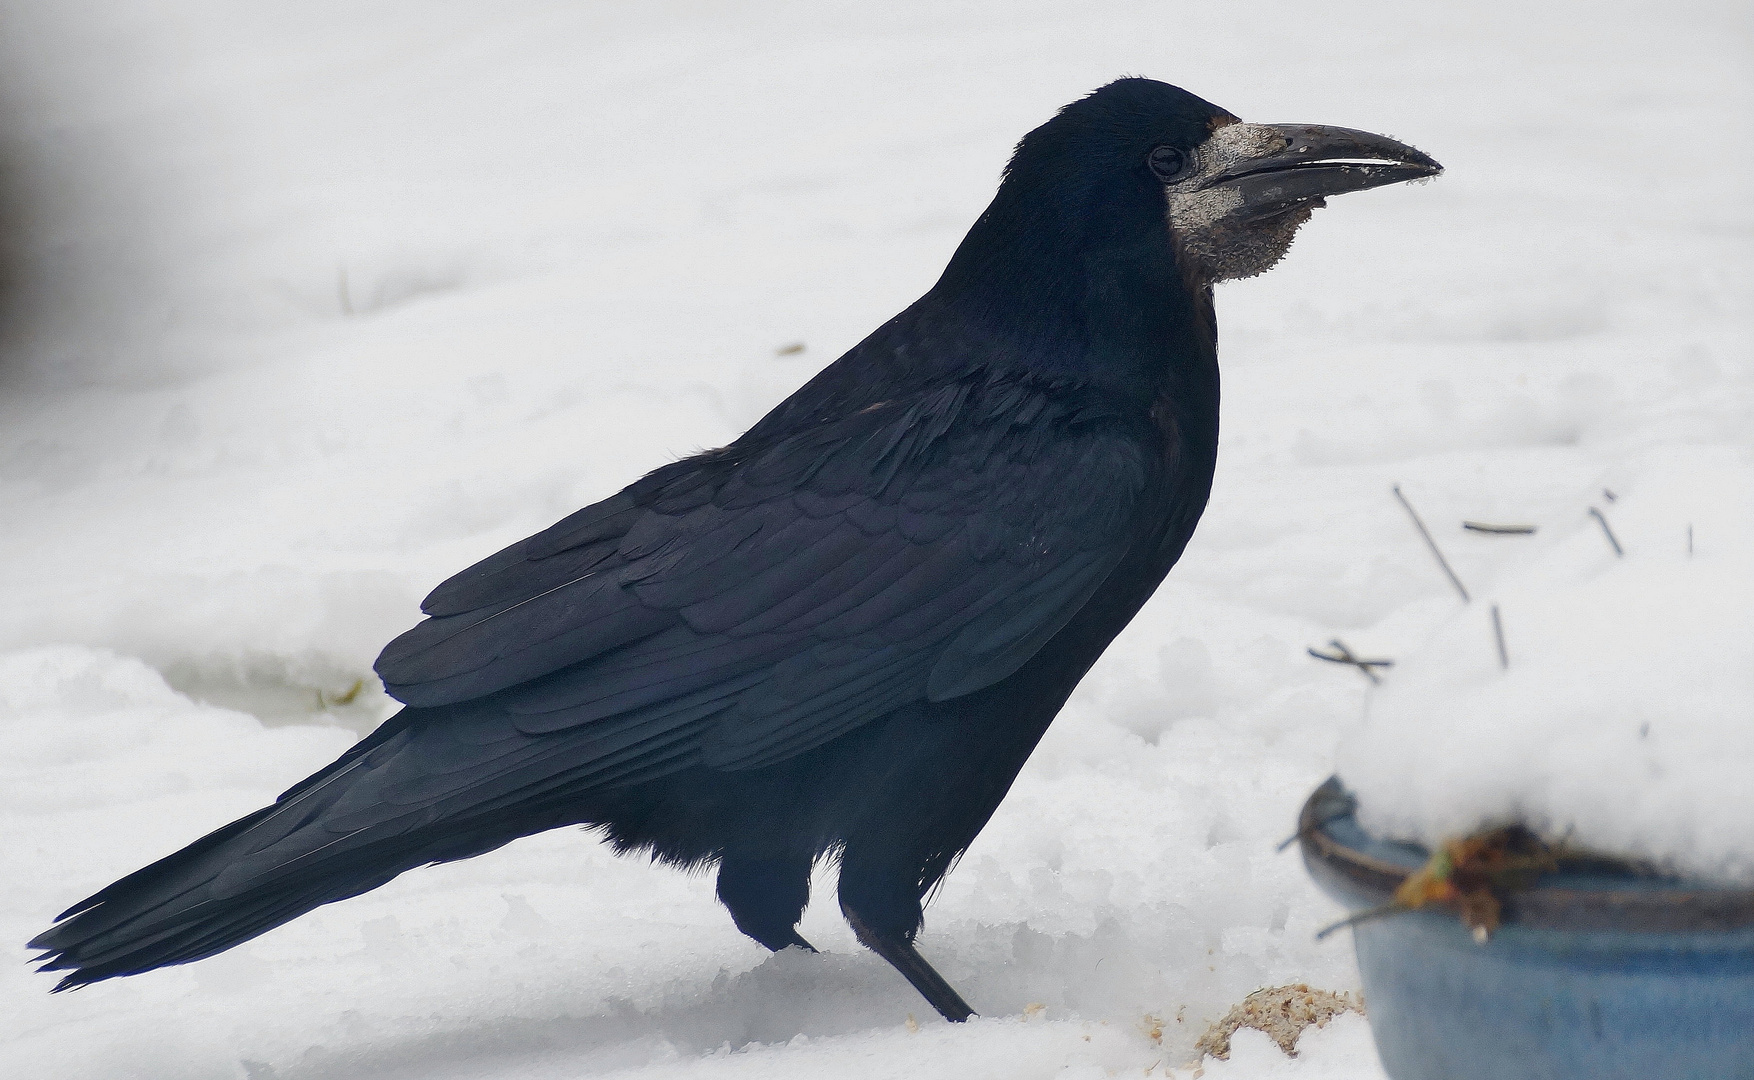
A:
(1498, 635)
(1689, 539)
(1432, 544)
(1343, 655)
(1608, 532)
(1366, 915)
(1348, 805)
(1499, 530)
(793, 349)
(1296, 836)
(1610, 496)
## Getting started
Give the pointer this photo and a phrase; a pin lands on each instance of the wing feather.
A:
(751, 604)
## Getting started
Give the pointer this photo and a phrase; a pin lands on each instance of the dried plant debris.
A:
(1470, 877)
(1498, 530)
(1343, 655)
(1608, 531)
(1436, 552)
(1283, 1013)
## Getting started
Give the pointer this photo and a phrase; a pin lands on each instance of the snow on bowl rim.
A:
(1585, 895)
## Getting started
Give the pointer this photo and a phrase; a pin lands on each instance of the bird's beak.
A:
(1276, 167)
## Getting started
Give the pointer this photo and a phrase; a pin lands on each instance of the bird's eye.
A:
(1168, 163)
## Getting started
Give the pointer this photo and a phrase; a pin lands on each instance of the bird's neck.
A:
(1064, 295)
(1089, 292)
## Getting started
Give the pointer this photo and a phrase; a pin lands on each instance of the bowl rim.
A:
(1584, 898)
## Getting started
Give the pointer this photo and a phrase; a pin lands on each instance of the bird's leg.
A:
(766, 896)
(895, 947)
(881, 903)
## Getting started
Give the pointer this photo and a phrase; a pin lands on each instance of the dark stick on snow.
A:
(1296, 836)
(1432, 544)
(1367, 915)
(1343, 655)
(1609, 533)
(1498, 635)
(1610, 496)
(1499, 530)
(1689, 539)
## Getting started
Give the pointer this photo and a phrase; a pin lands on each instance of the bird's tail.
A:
(311, 847)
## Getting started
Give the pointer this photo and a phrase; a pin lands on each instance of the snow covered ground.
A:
(307, 305)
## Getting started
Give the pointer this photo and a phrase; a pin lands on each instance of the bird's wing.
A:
(745, 606)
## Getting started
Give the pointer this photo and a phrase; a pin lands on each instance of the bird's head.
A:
(1232, 194)
(1097, 254)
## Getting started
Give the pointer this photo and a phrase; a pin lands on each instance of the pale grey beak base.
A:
(1313, 161)
(1258, 183)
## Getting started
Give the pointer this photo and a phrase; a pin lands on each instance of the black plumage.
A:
(839, 636)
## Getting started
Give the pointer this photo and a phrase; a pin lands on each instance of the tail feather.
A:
(255, 874)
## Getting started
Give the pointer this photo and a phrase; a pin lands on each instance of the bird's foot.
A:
(797, 942)
(903, 957)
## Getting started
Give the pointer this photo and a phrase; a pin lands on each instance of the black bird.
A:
(842, 635)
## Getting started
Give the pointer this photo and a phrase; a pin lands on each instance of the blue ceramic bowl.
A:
(1596, 974)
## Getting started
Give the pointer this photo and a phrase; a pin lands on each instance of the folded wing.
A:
(747, 605)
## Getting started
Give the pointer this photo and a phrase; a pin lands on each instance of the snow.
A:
(306, 306)
(1624, 720)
